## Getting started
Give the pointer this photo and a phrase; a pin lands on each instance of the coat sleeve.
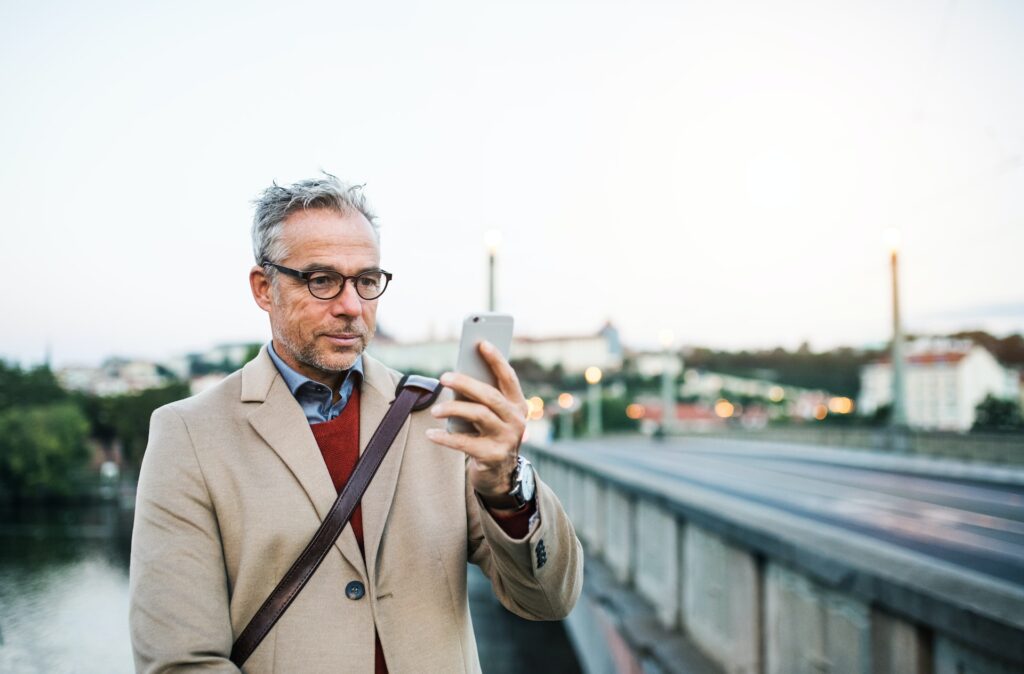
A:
(178, 608)
(538, 577)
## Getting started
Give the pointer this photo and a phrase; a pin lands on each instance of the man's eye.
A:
(320, 281)
(369, 281)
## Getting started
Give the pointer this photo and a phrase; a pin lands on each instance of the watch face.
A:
(526, 479)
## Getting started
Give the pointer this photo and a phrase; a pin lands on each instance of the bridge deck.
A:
(974, 524)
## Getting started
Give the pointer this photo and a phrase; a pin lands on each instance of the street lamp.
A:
(566, 402)
(668, 381)
(593, 377)
(492, 240)
(899, 404)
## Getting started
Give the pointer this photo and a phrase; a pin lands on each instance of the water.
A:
(64, 600)
(64, 591)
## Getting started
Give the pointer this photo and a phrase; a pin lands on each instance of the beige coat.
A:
(232, 488)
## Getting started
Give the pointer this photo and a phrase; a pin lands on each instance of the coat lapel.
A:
(280, 422)
(375, 399)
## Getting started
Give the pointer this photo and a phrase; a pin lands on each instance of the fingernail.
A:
(435, 410)
(486, 346)
(446, 378)
(433, 433)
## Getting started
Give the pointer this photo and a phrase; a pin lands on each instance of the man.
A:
(236, 480)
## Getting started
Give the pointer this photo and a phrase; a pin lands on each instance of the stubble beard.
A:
(326, 361)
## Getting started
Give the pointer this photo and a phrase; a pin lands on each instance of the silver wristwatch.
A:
(523, 485)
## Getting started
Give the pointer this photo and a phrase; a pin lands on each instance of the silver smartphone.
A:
(494, 328)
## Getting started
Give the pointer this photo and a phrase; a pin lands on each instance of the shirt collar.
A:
(294, 380)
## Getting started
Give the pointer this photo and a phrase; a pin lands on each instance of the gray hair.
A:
(277, 202)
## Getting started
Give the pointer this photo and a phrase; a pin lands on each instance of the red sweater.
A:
(339, 444)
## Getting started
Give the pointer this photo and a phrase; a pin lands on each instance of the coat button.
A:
(355, 590)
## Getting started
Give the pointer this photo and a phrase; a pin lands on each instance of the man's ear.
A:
(260, 284)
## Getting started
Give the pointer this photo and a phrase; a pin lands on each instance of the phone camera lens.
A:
(476, 319)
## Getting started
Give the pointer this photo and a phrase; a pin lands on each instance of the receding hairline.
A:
(346, 213)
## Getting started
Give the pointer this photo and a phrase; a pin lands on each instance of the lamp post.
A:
(492, 239)
(593, 377)
(566, 402)
(898, 418)
(668, 380)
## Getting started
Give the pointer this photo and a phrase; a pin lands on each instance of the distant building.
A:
(945, 380)
(654, 363)
(231, 356)
(689, 417)
(574, 353)
(116, 376)
(428, 356)
(223, 359)
(790, 401)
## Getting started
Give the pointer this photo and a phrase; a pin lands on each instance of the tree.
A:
(129, 416)
(125, 418)
(996, 414)
(43, 450)
(20, 387)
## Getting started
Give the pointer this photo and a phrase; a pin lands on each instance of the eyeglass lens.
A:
(326, 285)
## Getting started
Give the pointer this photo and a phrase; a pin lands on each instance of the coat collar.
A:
(279, 420)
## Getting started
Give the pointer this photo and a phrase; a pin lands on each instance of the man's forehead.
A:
(347, 267)
(313, 219)
(324, 227)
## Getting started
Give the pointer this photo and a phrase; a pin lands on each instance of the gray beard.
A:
(309, 356)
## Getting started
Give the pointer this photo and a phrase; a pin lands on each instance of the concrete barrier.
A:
(724, 585)
(592, 523)
(809, 629)
(899, 647)
(618, 536)
(657, 560)
(722, 600)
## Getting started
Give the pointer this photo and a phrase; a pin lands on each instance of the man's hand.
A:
(499, 414)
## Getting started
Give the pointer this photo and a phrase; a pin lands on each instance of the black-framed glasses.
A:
(325, 284)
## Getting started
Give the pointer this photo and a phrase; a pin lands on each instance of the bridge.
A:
(722, 556)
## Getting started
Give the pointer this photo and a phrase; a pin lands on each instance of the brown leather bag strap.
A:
(414, 393)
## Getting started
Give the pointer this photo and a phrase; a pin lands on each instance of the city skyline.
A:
(54, 360)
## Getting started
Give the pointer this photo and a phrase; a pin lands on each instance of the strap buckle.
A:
(430, 389)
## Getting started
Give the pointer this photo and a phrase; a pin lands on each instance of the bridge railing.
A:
(757, 590)
(989, 448)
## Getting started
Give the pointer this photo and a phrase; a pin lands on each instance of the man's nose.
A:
(348, 303)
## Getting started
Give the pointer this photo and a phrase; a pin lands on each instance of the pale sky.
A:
(724, 170)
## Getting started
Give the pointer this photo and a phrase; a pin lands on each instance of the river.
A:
(64, 590)
(64, 600)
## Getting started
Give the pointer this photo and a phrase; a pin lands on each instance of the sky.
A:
(726, 171)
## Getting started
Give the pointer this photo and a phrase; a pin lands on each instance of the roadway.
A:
(970, 523)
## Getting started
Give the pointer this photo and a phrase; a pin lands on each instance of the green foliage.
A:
(837, 371)
(44, 430)
(613, 415)
(125, 418)
(20, 387)
(43, 450)
(882, 415)
(996, 414)
(252, 352)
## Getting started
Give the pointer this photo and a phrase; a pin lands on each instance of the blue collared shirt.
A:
(315, 398)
